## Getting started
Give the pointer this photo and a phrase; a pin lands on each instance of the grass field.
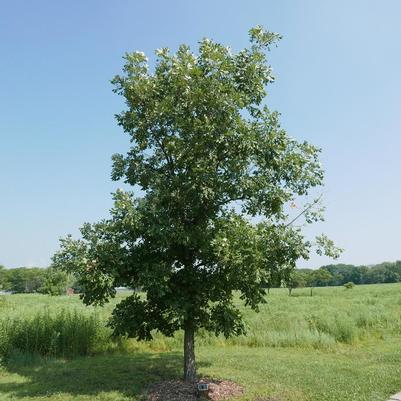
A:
(338, 345)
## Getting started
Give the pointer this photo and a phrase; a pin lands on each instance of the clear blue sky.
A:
(338, 85)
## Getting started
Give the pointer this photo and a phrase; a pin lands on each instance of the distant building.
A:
(118, 289)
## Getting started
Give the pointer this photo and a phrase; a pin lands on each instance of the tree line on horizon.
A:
(340, 275)
(35, 280)
(54, 282)
(386, 272)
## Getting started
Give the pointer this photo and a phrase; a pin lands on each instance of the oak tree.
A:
(216, 173)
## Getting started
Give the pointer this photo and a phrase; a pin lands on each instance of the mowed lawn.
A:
(335, 346)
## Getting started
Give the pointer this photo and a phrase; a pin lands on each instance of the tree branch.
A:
(305, 210)
(168, 159)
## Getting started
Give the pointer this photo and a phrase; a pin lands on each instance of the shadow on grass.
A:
(127, 375)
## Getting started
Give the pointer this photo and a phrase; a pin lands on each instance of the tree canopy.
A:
(217, 172)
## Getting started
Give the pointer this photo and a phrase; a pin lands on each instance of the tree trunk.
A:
(189, 353)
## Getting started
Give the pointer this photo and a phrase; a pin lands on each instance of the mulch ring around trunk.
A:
(177, 390)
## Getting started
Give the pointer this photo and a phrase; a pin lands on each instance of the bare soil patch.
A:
(177, 390)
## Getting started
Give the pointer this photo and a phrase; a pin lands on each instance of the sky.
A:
(338, 85)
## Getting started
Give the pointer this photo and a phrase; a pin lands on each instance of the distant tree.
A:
(24, 279)
(2, 277)
(316, 278)
(343, 273)
(296, 279)
(55, 282)
(208, 156)
(387, 272)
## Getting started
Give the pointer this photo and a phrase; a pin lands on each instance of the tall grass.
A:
(63, 326)
(61, 334)
(332, 317)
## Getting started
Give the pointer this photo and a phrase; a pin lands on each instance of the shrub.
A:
(349, 286)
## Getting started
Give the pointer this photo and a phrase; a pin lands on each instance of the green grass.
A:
(63, 333)
(335, 346)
